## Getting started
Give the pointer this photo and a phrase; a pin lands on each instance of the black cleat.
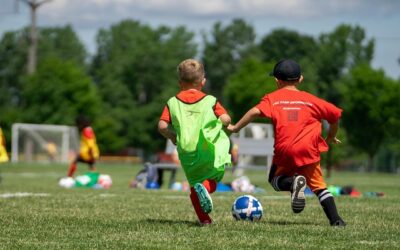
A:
(338, 223)
(298, 197)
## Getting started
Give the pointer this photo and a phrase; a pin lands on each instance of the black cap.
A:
(287, 70)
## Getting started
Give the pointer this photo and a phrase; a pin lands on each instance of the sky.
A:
(379, 18)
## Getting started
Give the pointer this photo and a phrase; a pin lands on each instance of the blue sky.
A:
(379, 18)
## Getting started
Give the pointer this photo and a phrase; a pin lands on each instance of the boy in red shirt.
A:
(296, 116)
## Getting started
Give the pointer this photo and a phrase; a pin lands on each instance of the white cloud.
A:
(77, 11)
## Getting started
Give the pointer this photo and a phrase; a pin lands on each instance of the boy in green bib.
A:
(195, 122)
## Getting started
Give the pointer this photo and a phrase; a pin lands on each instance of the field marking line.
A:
(107, 195)
(23, 194)
(32, 174)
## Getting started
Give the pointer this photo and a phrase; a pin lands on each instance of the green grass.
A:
(124, 218)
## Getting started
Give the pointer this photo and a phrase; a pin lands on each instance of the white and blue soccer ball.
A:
(247, 208)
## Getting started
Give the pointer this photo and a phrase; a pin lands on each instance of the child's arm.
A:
(168, 133)
(246, 119)
(331, 137)
(225, 119)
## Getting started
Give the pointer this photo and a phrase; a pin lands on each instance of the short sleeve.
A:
(265, 107)
(329, 112)
(219, 109)
(165, 116)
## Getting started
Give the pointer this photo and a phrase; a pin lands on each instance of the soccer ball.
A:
(248, 208)
(104, 181)
(66, 182)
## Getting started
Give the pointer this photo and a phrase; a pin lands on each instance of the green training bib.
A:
(202, 144)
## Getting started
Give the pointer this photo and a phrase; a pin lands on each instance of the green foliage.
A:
(282, 43)
(13, 53)
(247, 86)
(225, 50)
(62, 43)
(372, 109)
(57, 93)
(338, 52)
(135, 70)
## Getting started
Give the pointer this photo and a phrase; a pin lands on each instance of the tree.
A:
(60, 42)
(140, 63)
(338, 52)
(54, 42)
(282, 43)
(57, 93)
(247, 86)
(372, 108)
(224, 51)
(12, 64)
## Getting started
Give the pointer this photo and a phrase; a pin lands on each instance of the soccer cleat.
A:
(298, 197)
(338, 223)
(204, 198)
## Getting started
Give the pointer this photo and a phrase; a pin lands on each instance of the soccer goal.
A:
(255, 146)
(43, 143)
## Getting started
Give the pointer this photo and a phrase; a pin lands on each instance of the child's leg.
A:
(328, 205)
(160, 173)
(210, 185)
(283, 179)
(72, 168)
(203, 217)
(203, 193)
(317, 184)
(280, 179)
(92, 167)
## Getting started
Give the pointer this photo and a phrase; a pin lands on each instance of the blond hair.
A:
(191, 71)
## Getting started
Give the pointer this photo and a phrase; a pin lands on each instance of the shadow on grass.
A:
(172, 222)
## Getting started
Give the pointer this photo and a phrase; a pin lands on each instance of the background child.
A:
(296, 116)
(197, 123)
(88, 149)
(3, 149)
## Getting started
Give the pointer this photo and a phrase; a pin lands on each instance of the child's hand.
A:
(333, 140)
(231, 128)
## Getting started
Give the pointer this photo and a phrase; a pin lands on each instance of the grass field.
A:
(49, 217)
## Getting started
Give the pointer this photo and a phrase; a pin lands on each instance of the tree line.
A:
(125, 84)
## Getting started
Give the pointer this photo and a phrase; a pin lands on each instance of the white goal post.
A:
(43, 143)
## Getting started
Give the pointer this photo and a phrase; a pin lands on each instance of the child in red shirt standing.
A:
(296, 116)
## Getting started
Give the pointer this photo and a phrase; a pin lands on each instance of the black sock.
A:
(282, 183)
(328, 204)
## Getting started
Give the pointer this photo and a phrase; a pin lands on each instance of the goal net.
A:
(43, 143)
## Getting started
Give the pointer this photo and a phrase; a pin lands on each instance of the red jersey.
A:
(191, 96)
(296, 116)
